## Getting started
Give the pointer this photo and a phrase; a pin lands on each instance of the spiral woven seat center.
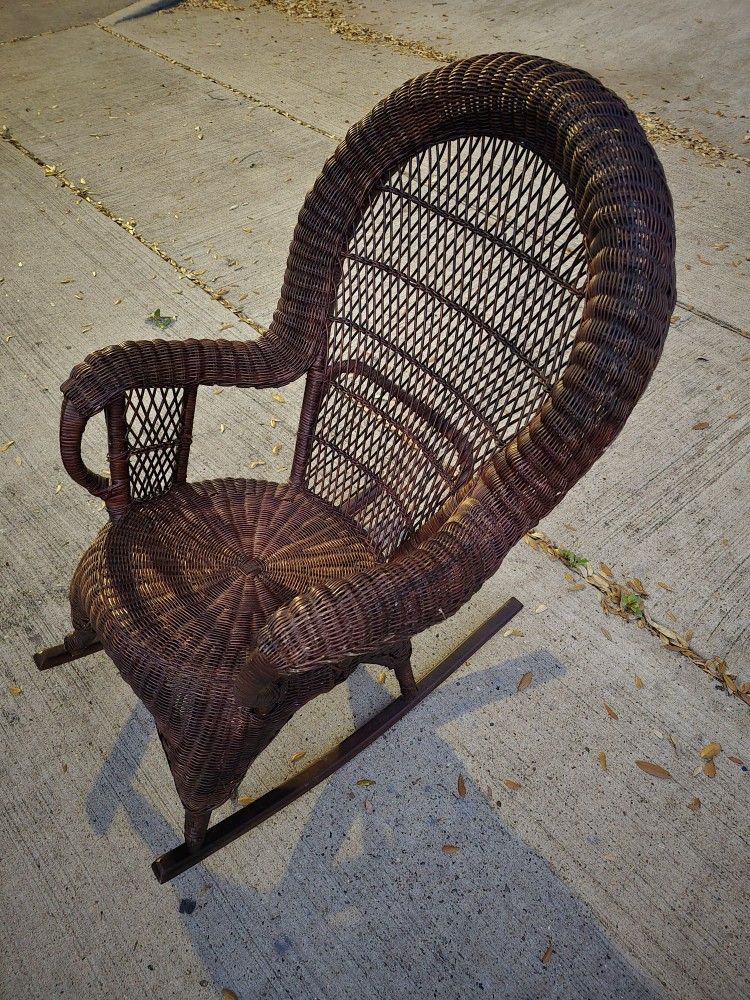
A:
(197, 573)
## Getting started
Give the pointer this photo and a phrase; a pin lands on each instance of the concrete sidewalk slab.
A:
(214, 179)
(21, 19)
(349, 893)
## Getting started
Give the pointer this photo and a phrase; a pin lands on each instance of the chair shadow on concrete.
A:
(368, 905)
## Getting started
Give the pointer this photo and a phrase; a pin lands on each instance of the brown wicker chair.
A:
(478, 288)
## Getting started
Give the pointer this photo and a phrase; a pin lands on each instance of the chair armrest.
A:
(147, 390)
(360, 616)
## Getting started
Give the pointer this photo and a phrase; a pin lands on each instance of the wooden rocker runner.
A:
(478, 290)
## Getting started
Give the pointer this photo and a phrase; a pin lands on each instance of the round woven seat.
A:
(188, 580)
(222, 555)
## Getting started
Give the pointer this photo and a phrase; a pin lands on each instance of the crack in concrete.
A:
(51, 170)
(712, 319)
(219, 83)
(626, 600)
(49, 31)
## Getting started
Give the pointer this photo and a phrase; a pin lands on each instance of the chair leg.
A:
(398, 659)
(196, 824)
(80, 642)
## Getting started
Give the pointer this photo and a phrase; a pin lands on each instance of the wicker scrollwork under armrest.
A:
(147, 389)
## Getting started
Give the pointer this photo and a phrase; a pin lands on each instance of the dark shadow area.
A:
(368, 904)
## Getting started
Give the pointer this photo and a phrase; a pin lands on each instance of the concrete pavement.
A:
(182, 144)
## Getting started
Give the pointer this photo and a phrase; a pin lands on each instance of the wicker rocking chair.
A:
(478, 289)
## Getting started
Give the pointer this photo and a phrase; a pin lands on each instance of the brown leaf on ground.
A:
(655, 770)
(15, 690)
(297, 756)
(513, 785)
(461, 786)
(737, 761)
(547, 956)
(638, 682)
(664, 586)
(694, 805)
(611, 712)
(603, 760)
(450, 849)
(701, 425)
(525, 680)
(709, 769)
(607, 570)
(227, 994)
(711, 750)
(245, 800)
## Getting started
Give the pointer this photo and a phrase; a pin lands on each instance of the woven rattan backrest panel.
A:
(460, 295)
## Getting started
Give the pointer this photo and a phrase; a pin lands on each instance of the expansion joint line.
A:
(627, 601)
(257, 101)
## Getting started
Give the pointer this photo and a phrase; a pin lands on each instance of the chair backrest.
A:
(450, 255)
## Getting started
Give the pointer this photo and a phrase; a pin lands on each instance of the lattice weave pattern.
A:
(155, 419)
(461, 291)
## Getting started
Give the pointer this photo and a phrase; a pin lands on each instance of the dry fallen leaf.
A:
(737, 761)
(365, 782)
(255, 463)
(513, 631)
(513, 785)
(297, 756)
(227, 994)
(222, 428)
(461, 786)
(663, 585)
(611, 712)
(694, 805)
(6, 444)
(276, 449)
(653, 769)
(278, 397)
(15, 690)
(709, 769)
(603, 760)
(638, 681)
(701, 425)
(576, 586)
(245, 800)
(381, 677)
(711, 750)
(525, 680)
(607, 570)
(539, 608)
(450, 849)
(547, 956)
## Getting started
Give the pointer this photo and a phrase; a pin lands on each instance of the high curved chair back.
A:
(474, 227)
